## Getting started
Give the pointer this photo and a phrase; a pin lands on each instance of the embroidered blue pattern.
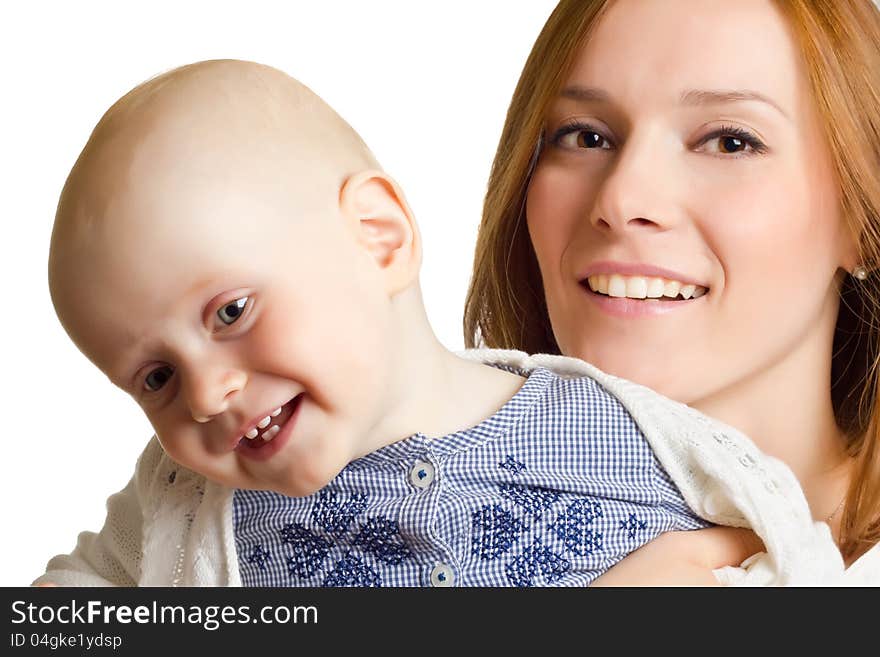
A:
(495, 531)
(548, 491)
(334, 517)
(259, 556)
(512, 465)
(381, 536)
(534, 500)
(632, 525)
(352, 571)
(573, 527)
(537, 560)
(307, 550)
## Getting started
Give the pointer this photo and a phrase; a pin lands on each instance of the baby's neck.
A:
(460, 394)
(434, 392)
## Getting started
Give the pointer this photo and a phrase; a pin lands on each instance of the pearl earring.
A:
(860, 273)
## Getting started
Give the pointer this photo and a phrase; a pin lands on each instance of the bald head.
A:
(237, 104)
(234, 140)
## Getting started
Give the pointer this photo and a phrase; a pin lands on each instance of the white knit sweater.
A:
(171, 527)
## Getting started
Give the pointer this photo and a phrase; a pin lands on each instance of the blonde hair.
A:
(840, 44)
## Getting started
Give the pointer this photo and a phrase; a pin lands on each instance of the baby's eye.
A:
(229, 313)
(158, 378)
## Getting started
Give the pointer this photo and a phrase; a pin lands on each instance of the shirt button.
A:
(442, 575)
(422, 474)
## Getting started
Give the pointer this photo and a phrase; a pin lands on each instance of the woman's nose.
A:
(636, 193)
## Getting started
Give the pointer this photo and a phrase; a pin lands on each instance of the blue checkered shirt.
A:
(552, 490)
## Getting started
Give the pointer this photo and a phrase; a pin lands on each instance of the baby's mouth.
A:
(642, 288)
(272, 424)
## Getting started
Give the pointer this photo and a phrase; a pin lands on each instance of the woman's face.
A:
(683, 157)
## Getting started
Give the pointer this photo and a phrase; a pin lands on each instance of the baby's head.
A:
(226, 246)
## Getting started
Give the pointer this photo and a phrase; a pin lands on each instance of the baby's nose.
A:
(209, 395)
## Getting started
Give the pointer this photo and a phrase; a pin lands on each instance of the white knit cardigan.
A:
(171, 527)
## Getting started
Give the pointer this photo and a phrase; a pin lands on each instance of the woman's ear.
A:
(373, 205)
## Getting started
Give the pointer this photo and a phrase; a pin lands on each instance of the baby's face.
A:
(250, 327)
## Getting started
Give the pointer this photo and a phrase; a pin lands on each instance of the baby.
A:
(227, 251)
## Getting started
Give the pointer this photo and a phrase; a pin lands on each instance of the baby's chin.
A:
(310, 478)
(296, 486)
(289, 486)
(301, 476)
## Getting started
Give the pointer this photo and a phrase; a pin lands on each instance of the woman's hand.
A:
(684, 558)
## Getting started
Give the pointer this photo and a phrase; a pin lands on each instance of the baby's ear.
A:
(374, 206)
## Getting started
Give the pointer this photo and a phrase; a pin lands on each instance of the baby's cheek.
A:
(169, 446)
(186, 452)
(282, 339)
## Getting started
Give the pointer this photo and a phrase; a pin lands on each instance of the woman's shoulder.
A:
(511, 359)
(865, 571)
(644, 404)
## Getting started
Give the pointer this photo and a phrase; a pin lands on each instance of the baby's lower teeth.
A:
(271, 432)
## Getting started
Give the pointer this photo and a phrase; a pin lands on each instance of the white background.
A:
(425, 83)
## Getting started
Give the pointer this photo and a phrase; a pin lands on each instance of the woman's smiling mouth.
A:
(642, 287)
(631, 297)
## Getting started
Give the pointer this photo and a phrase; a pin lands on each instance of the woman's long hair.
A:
(840, 44)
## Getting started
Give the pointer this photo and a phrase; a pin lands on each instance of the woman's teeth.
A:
(269, 433)
(641, 287)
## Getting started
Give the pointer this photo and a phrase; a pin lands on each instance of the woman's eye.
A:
(730, 141)
(730, 144)
(229, 313)
(584, 139)
(158, 378)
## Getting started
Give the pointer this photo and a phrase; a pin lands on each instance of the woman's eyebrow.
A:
(585, 94)
(691, 97)
(712, 97)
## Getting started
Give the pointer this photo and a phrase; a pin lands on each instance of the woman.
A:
(686, 195)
